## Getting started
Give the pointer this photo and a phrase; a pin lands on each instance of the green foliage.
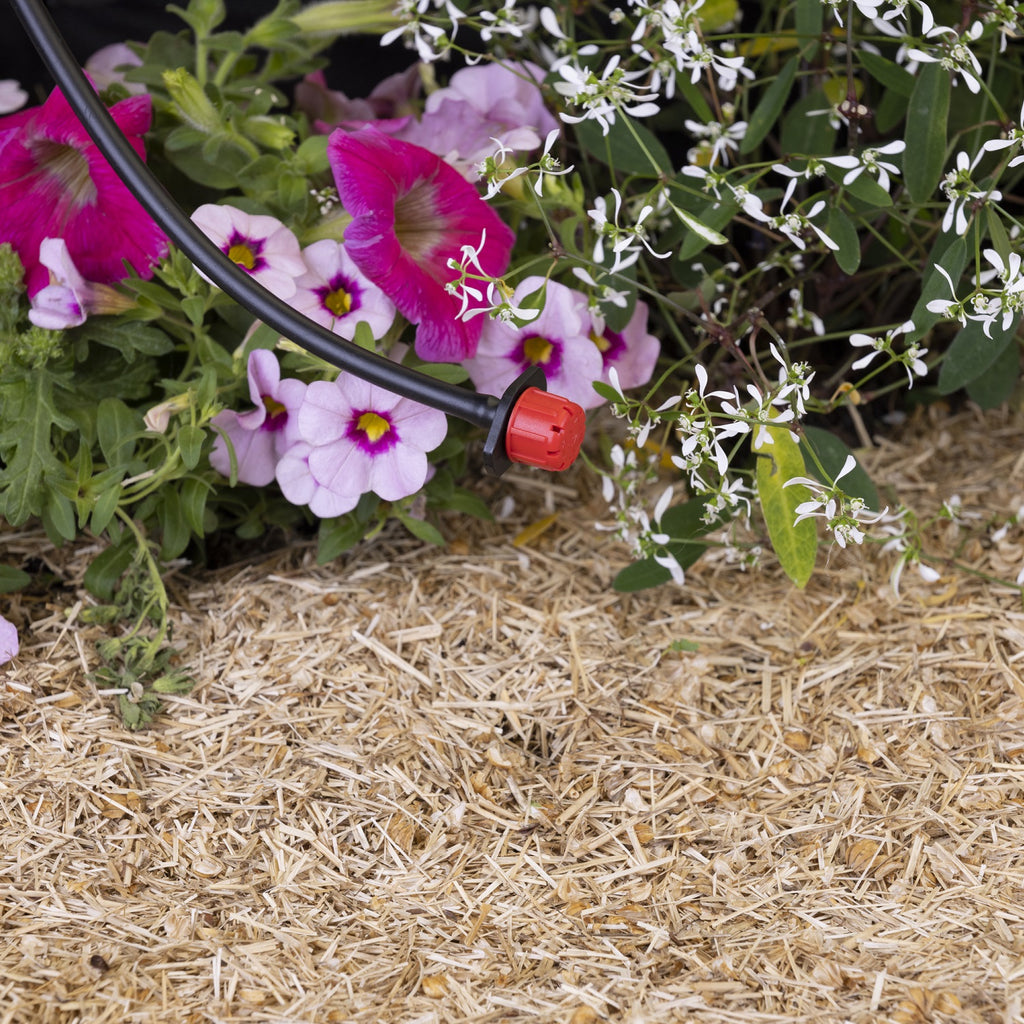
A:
(795, 543)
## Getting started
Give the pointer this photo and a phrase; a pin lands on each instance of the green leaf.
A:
(108, 567)
(841, 230)
(422, 530)
(766, 113)
(194, 493)
(468, 503)
(336, 536)
(116, 426)
(105, 508)
(972, 352)
(868, 191)
(925, 155)
(885, 72)
(805, 128)
(795, 544)
(713, 217)
(997, 232)
(190, 441)
(12, 579)
(623, 152)
(832, 455)
(809, 24)
(995, 386)
(174, 531)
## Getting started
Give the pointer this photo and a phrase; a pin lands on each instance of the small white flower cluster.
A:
(498, 171)
(989, 304)
(625, 241)
(474, 283)
(845, 516)
(615, 91)
(911, 357)
(430, 41)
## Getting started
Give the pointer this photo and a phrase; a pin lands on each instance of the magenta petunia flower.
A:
(412, 213)
(558, 341)
(55, 183)
(262, 246)
(358, 438)
(8, 641)
(262, 436)
(335, 293)
(632, 351)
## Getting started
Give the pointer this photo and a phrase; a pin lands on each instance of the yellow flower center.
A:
(339, 302)
(373, 426)
(274, 407)
(537, 350)
(242, 255)
(602, 343)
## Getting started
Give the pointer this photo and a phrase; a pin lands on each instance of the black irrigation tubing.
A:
(478, 409)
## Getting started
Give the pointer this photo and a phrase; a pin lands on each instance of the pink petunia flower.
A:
(55, 183)
(106, 66)
(412, 213)
(358, 438)
(8, 641)
(262, 436)
(262, 246)
(335, 293)
(69, 299)
(481, 108)
(632, 351)
(558, 341)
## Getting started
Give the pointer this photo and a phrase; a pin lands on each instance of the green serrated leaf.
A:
(927, 116)
(795, 544)
(767, 111)
(30, 414)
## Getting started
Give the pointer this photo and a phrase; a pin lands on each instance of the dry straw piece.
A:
(473, 784)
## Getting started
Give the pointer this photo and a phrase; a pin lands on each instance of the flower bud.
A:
(347, 17)
(192, 104)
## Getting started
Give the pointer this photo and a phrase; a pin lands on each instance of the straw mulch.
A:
(474, 784)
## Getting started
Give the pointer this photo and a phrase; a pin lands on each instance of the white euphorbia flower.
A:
(867, 161)
(843, 515)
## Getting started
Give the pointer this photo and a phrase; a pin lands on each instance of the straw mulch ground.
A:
(473, 784)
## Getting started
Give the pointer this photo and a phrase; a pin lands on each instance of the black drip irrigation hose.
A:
(481, 410)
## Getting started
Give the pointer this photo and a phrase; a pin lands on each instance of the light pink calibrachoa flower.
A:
(55, 183)
(262, 436)
(358, 438)
(632, 351)
(335, 293)
(262, 246)
(12, 95)
(412, 213)
(389, 106)
(8, 641)
(105, 65)
(558, 341)
(69, 299)
(481, 108)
